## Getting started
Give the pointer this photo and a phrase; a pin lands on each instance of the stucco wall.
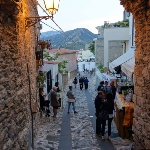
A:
(54, 72)
(71, 58)
(114, 34)
(17, 49)
(88, 65)
(141, 122)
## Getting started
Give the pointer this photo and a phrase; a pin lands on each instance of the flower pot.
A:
(43, 46)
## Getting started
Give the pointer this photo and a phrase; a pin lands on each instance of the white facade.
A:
(131, 31)
(127, 60)
(54, 72)
(86, 65)
(114, 34)
(84, 55)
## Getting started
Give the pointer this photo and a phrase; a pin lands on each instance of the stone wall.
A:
(99, 51)
(17, 49)
(114, 50)
(141, 125)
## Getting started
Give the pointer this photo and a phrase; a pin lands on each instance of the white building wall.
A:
(54, 72)
(88, 65)
(131, 31)
(114, 34)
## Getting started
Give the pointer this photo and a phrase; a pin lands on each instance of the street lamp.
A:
(51, 6)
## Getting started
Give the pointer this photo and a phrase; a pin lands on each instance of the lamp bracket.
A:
(31, 21)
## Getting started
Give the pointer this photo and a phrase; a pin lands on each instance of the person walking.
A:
(75, 81)
(54, 101)
(81, 83)
(110, 107)
(86, 83)
(101, 86)
(71, 99)
(101, 114)
(107, 88)
(113, 89)
(98, 103)
(44, 104)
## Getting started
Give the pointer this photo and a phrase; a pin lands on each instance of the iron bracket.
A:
(31, 21)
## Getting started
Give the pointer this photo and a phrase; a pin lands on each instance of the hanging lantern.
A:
(51, 6)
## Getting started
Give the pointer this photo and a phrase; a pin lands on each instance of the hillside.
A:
(72, 39)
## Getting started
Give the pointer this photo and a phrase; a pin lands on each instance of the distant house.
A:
(68, 55)
(127, 60)
(112, 41)
(86, 60)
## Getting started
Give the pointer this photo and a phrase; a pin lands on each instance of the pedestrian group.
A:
(104, 102)
(104, 105)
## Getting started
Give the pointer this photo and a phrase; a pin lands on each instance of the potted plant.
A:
(43, 43)
(41, 77)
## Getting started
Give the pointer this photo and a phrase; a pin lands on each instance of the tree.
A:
(47, 56)
(92, 47)
(62, 66)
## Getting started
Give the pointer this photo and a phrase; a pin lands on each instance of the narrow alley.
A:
(77, 131)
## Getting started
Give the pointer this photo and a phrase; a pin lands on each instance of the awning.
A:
(128, 67)
(122, 59)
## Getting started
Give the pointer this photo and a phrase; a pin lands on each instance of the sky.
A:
(88, 14)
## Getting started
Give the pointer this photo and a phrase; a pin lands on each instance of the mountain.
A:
(73, 39)
(47, 34)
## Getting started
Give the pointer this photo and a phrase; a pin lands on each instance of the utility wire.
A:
(56, 23)
(51, 27)
(59, 32)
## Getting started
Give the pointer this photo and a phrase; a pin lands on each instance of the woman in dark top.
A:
(101, 86)
(75, 81)
(110, 108)
(113, 89)
(100, 124)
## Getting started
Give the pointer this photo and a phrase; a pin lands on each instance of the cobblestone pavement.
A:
(82, 132)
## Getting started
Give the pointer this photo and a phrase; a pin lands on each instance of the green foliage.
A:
(101, 68)
(124, 23)
(125, 92)
(48, 57)
(41, 77)
(43, 42)
(62, 66)
(92, 47)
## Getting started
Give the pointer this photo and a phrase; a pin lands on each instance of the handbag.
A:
(103, 115)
